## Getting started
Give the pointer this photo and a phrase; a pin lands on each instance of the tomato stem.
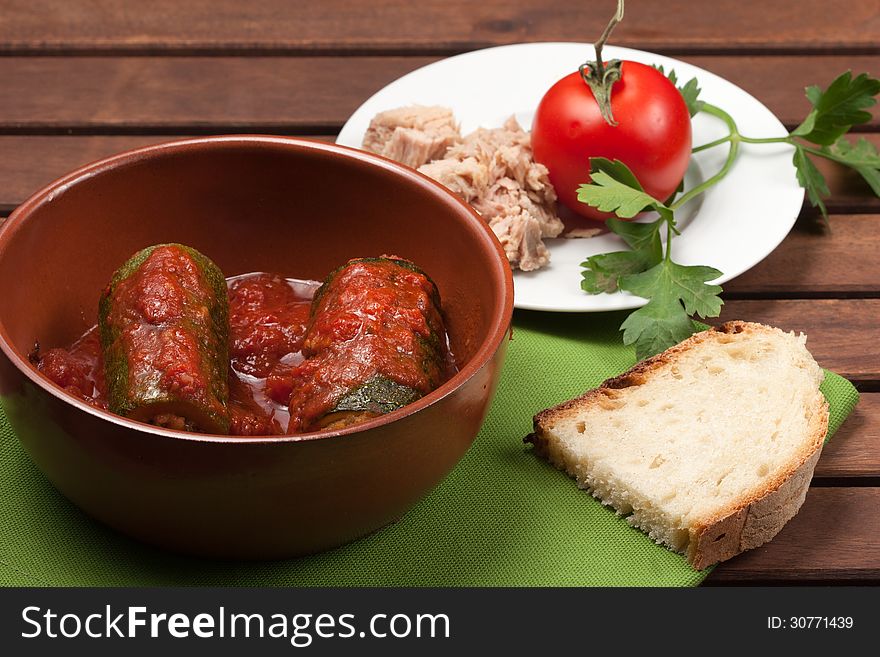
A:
(601, 77)
(618, 16)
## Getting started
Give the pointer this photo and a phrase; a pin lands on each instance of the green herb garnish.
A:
(675, 292)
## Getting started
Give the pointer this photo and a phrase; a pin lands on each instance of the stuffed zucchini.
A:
(164, 323)
(375, 342)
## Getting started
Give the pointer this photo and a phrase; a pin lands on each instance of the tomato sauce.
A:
(79, 369)
(267, 317)
(282, 357)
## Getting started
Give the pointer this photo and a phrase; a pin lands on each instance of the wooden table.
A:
(82, 80)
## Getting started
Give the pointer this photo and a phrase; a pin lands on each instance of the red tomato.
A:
(653, 135)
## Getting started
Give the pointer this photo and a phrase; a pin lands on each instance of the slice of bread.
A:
(708, 447)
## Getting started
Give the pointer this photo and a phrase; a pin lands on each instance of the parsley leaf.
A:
(690, 91)
(639, 237)
(835, 110)
(838, 108)
(685, 283)
(610, 195)
(615, 188)
(673, 78)
(675, 292)
(811, 179)
(603, 271)
(861, 156)
(656, 326)
(617, 170)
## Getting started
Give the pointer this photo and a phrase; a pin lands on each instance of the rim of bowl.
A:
(502, 275)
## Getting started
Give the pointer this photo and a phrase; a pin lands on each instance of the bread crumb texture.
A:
(709, 447)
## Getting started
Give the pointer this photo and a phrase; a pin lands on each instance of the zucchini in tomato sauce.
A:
(375, 342)
(164, 322)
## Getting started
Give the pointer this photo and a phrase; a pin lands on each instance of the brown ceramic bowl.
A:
(251, 203)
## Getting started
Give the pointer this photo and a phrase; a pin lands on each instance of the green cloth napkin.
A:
(503, 517)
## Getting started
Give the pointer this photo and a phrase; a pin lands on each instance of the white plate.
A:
(732, 227)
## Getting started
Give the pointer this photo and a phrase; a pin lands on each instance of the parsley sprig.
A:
(676, 293)
(836, 110)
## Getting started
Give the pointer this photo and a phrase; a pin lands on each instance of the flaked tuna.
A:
(466, 177)
(492, 169)
(412, 135)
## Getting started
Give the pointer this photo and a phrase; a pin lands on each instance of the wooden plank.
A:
(854, 451)
(290, 95)
(815, 261)
(432, 25)
(152, 94)
(843, 334)
(834, 538)
(779, 82)
(29, 163)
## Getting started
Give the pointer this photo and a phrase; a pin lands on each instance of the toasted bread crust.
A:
(636, 375)
(752, 523)
(759, 514)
